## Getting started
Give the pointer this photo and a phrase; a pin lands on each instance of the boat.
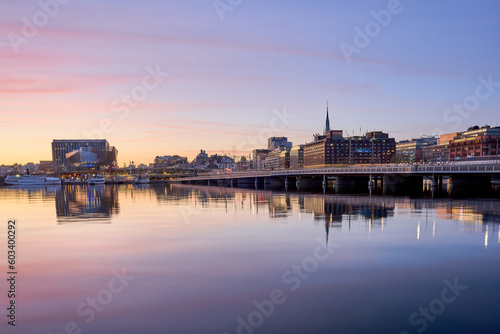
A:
(32, 180)
(73, 180)
(141, 179)
(98, 179)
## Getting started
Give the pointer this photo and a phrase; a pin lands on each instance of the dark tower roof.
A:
(327, 126)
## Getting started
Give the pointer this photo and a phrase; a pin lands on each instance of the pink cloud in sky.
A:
(227, 77)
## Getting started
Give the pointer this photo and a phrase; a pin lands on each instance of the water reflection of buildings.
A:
(334, 211)
(43, 192)
(94, 204)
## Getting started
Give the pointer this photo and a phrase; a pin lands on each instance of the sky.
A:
(160, 77)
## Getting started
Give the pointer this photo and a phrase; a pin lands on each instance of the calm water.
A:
(186, 259)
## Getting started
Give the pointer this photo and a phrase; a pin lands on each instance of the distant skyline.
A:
(173, 77)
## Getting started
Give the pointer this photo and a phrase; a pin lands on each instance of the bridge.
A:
(387, 179)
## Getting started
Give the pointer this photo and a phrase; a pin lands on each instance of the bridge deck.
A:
(493, 169)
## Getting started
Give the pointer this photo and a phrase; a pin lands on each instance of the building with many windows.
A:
(373, 148)
(439, 152)
(278, 143)
(411, 151)
(107, 155)
(332, 148)
(284, 160)
(273, 159)
(46, 166)
(259, 155)
(297, 157)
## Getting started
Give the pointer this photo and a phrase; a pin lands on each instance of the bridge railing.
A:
(299, 172)
(452, 168)
(459, 168)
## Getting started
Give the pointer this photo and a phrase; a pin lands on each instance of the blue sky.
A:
(228, 77)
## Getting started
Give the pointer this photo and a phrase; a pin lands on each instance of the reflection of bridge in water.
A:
(332, 208)
(343, 212)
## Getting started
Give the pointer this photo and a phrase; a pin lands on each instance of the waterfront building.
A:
(221, 162)
(476, 142)
(284, 160)
(162, 161)
(168, 161)
(439, 152)
(46, 166)
(278, 143)
(277, 159)
(411, 151)
(201, 159)
(297, 157)
(8, 170)
(30, 168)
(79, 149)
(332, 148)
(243, 164)
(258, 156)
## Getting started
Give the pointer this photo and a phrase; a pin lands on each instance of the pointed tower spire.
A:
(327, 126)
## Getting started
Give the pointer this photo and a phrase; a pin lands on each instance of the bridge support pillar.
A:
(371, 182)
(440, 183)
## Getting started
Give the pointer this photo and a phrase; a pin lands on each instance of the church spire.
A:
(327, 126)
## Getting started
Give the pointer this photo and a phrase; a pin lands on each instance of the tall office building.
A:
(258, 156)
(411, 151)
(297, 157)
(332, 148)
(278, 143)
(78, 149)
(336, 150)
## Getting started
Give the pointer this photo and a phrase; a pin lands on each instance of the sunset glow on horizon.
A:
(172, 77)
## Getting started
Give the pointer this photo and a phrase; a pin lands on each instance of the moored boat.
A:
(98, 179)
(141, 179)
(32, 179)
